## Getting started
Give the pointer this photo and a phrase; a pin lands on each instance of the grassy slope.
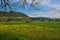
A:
(30, 31)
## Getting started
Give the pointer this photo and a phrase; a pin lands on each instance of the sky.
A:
(48, 8)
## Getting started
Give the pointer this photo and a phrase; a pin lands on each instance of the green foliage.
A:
(36, 30)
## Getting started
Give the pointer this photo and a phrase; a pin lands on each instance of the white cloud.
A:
(50, 14)
(48, 3)
(16, 1)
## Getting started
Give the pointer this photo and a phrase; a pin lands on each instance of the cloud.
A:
(50, 14)
(52, 3)
(16, 1)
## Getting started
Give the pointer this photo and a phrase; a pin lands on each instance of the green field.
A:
(36, 30)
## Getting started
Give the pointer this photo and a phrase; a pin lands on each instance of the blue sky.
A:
(48, 8)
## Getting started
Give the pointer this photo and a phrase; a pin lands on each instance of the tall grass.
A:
(30, 31)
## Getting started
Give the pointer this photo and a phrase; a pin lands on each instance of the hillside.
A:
(13, 13)
(19, 16)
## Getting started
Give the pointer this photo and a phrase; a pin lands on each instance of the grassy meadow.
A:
(35, 30)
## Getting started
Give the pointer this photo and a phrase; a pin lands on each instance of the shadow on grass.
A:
(8, 37)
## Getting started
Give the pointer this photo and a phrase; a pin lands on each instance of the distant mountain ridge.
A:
(20, 14)
(13, 13)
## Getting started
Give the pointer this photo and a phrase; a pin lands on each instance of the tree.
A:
(7, 3)
(4, 4)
